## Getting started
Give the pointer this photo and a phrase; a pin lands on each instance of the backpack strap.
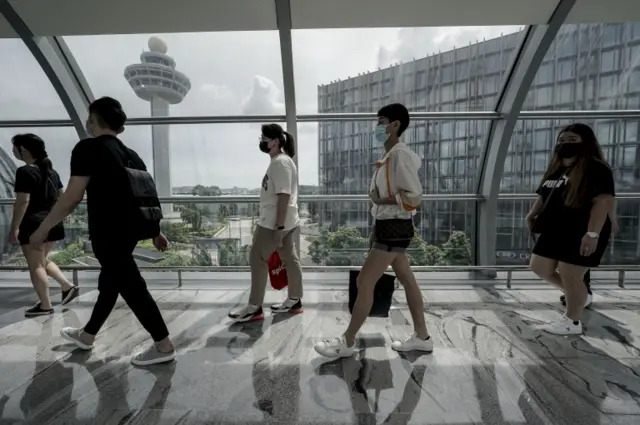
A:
(127, 158)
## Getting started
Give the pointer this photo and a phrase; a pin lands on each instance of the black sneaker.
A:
(288, 306)
(247, 314)
(70, 295)
(36, 311)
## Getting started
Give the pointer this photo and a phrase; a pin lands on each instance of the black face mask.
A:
(568, 150)
(264, 147)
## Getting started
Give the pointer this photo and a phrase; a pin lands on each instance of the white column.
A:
(161, 152)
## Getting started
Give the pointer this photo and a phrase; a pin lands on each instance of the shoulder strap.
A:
(125, 155)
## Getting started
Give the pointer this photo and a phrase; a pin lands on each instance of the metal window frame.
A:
(58, 64)
(622, 114)
(529, 56)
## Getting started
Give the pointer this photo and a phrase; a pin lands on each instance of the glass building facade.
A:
(590, 66)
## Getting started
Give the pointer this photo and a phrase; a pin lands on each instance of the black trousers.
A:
(119, 275)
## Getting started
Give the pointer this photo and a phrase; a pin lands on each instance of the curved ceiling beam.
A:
(283, 18)
(58, 64)
(536, 43)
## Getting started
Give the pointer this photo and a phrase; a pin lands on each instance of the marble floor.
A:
(492, 365)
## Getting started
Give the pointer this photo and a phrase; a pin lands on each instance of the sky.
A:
(231, 73)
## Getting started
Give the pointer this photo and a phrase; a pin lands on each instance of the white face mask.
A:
(381, 133)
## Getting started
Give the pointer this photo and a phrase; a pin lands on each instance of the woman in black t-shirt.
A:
(571, 220)
(37, 187)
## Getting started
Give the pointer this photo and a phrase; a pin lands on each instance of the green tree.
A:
(223, 212)
(200, 257)
(230, 255)
(346, 247)
(174, 259)
(200, 190)
(176, 232)
(191, 214)
(224, 255)
(457, 250)
(319, 248)
(65, 256)
(422, 254)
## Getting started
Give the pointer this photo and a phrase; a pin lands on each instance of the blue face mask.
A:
(381, 133)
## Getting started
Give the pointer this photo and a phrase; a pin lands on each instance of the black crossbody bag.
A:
(539, 222)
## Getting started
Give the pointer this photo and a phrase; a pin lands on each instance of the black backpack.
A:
(144, 211)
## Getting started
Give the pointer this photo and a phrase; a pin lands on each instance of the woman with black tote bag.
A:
(396, 192)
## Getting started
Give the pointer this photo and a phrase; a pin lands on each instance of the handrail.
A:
(460, 268)
(224, 199)
(620, 269)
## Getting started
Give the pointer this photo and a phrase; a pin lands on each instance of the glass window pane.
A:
(442, 67)
(343, 170)
(25, 90)
(232, 73)
(601, 57)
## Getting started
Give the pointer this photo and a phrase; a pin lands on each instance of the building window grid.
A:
(624, 149)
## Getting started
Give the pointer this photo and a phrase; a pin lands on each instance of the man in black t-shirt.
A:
(97, 167)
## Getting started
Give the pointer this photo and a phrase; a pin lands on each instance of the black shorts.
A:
(27, 229)
(560, 246)
(391, 246)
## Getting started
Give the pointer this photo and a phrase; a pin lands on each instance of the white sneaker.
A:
(564, 326)
(413, 343)
(290, 305)
(335, 348)
(248, 313)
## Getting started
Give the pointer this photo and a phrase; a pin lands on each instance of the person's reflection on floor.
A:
(277, 390)
(50, 388)
(361, 375)
(403, 412)
(276, 383)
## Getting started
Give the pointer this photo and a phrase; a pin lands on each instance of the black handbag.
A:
(538, 222)
(395, 229)
(382, 294)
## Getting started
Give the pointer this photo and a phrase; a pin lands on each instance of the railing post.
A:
(74, 277)
(509, 275)
(621, 278)
(179, 278)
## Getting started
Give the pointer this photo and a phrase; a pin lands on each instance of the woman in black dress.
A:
(571, 220)
(37, 188)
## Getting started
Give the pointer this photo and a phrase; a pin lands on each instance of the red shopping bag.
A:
(277, 272)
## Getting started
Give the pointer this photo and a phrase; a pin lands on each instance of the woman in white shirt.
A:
(277, 227)
(396, 192)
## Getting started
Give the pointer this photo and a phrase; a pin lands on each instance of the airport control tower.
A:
(157, 81)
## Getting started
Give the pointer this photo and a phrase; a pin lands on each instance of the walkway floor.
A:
(491, 364)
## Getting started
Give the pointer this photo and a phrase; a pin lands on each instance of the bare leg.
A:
(575, 289)
(53, 270)
(402, 269)
(547, 269)
(39, 279)
(374, 266)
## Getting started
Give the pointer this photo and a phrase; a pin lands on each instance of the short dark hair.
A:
(109, 113)
(396, 112)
